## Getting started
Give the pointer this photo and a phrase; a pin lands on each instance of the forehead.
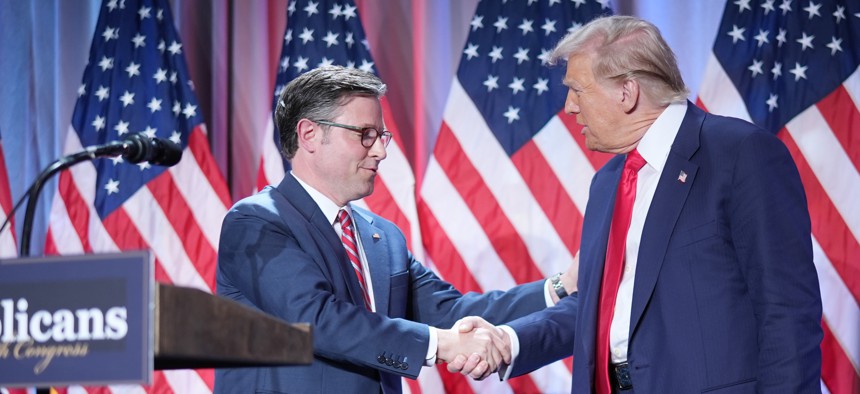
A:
(579, 71)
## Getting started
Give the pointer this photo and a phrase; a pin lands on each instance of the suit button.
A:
(397, 365)
(404, 366)
(381, 359)
(389, 362)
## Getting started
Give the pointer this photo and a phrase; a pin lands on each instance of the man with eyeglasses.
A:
(303, 253)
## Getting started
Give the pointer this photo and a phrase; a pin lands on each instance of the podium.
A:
(101, 319)
(195, 329)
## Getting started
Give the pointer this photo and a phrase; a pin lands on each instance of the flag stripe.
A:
(486, 209)
(841, 312)
(563, 154)
(450, 264)
(177, 211)
(550, 194)
(466, 233)
(8, 243)
(836, 370)
(843, 119)
(78, 218)
(827, 225)
(507, 187)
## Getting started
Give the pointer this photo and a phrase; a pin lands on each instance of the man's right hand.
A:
(472, 363)
(477, 347)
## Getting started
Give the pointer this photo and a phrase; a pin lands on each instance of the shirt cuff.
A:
(505, 370)
(432, 346)
(547, 287)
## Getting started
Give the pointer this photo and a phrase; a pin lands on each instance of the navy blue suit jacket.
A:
(726, 296)
(280, 255)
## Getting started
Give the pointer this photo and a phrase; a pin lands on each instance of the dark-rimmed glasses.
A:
(368, 134)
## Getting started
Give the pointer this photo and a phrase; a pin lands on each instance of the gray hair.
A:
(626, 48)
(318, 95)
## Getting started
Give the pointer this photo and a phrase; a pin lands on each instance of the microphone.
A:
(139, 148)
(136, 148)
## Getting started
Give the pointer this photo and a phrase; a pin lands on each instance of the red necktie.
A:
(348, 239)
(621, 216)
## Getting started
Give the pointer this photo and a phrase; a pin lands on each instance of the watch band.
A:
(557, 286)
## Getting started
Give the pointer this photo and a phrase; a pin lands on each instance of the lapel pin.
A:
(376, 236)
(682, 177)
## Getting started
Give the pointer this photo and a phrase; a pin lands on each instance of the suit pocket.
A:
(741, 387)
(398, 280)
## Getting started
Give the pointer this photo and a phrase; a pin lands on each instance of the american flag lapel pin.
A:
(376, 236)
(682, 177)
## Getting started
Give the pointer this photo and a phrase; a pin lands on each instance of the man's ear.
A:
(307, 135)
(629, 95)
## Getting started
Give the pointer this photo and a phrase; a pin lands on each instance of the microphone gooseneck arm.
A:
(137, 148)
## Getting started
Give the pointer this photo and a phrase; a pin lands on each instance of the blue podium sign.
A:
(76, 320)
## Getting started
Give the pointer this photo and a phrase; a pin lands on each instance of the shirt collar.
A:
(327, 206)
(657, 141)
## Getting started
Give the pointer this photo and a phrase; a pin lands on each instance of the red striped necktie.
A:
(348, 238)
(614, 264)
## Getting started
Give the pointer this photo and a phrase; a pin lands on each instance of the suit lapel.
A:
(323, 233)
(375, 249)
(677, 178)
(595, 239)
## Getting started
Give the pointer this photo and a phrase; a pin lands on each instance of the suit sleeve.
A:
(546, 336)
(771, 231)
(439, 304)
(268, 265)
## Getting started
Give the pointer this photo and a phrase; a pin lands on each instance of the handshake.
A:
(473, 347)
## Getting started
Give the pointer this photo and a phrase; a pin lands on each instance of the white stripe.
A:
(505, 182)
(491, 385)
(202, 200)
(840, 308)
(567, 160)
(186, 381)
(553, 378)
(396, 173)
(852, 86)
(273, 165)
(8, 247)
(830, 163)
(718, 93)
(464, 231)
(430, 381)
(157, 231)
(66, 237)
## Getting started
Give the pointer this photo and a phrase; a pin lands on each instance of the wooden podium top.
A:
(195, 329)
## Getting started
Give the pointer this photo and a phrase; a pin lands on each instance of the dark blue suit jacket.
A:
(280, 255)
(726, 297)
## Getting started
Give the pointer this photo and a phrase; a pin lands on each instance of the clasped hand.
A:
(474, 347)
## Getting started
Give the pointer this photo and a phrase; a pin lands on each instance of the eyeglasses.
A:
(368, 134)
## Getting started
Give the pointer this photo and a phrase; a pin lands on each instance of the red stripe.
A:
(838, 374)
(477, 196)
(841, 115)
(597, 159)
(524, 384)
(5, 192)
(261, 176)
(454, 382)
(208, 376)
(199, 147)
(200, 252)
(830, 230)
(382, 203)
(445, 257)
(124, 233)
(97, 390)
(77, 209)
(550, 194)
(50, 245)
(160, 385)
(413, 385)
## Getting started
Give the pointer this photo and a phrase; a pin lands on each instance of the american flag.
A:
(504, 191)
(137, 81)
(792, 68)
(8, 246)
